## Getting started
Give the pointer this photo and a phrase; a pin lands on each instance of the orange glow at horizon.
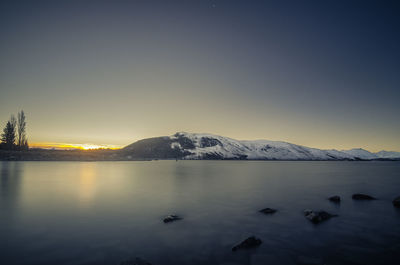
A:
(68, 146)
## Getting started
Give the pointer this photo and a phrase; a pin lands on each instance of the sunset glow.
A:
(138, 69)
(68, 146)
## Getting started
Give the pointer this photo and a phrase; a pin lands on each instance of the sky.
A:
(324, 74)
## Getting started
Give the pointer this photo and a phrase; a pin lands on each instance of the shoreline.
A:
(118, 155)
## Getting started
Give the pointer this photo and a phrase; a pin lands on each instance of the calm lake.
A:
(107, 212)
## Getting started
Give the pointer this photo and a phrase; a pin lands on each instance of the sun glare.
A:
(91, 146)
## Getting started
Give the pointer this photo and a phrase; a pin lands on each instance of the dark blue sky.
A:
(318, 73)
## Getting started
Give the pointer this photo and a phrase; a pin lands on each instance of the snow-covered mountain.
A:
(360, 153)
(208, 146)
(364, 154)
(387, 154)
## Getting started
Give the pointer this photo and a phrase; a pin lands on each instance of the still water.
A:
(107, 212)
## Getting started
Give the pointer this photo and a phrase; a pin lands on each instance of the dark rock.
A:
(396, 202)
(171, 218)
(250, 242)
(136, 261)
(317, 216)
(209, 142)
(268, 211)
(359, 196)
(335, 199)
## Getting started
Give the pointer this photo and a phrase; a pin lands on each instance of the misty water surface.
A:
(106, 212)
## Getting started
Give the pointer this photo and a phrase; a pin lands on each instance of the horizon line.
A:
(94, 146)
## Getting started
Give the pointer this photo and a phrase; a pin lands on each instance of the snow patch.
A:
(176, 145)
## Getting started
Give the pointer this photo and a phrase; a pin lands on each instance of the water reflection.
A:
(87, 183)
(102, 213)
(10, 183)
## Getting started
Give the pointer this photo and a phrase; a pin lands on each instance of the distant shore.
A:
(114, 155)
(58, 155)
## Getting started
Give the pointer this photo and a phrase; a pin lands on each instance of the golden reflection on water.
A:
(87, 183)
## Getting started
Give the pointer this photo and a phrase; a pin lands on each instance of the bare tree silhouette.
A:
(22, 142)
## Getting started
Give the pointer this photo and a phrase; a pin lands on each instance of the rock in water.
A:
(317, 216)
(360, 196)
(268, 211)
(335, 199)
(396, 202)
(250, 242)
(171, 218)
(136, 261)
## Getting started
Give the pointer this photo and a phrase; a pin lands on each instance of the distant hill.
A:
(199, 146)
(184, 145)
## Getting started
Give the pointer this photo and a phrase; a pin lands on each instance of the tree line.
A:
(14, 133)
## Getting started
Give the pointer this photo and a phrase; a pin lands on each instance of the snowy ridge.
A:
(229, 148)
(209, 146)
(387, 154)
(361, 153)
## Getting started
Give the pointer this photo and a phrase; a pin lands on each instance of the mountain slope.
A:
(360, 153)
(208, 146)
(387, 154)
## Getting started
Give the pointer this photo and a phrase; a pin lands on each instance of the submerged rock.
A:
(334, 199)
(268, 211)
(171, 218)
(250, 242)
(317, 216)
(396, 202)
(136, 261)
(360, 196)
